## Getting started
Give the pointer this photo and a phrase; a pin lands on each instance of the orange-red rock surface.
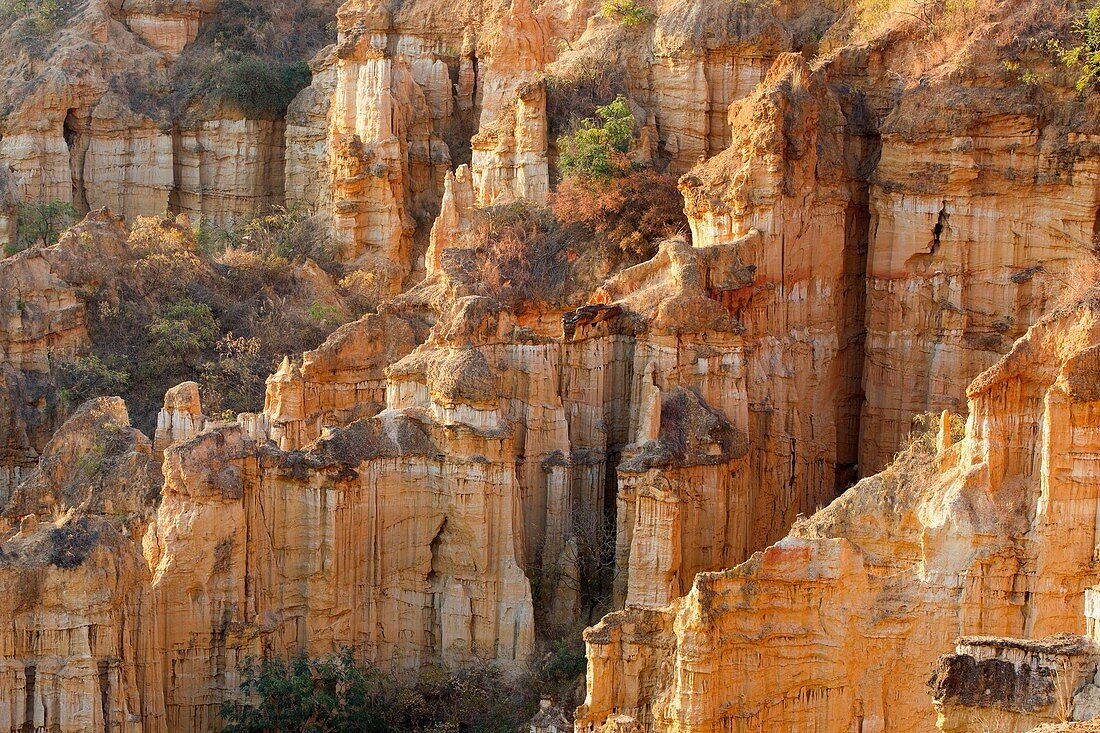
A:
(880, 212)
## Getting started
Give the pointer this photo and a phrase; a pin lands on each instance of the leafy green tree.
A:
(180, 334)
(1086, 55)
(82, 378)
(599, 146)
(40, 224)
(306, 695)
(628, 11)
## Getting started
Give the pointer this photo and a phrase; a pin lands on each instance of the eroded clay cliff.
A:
(877, 213)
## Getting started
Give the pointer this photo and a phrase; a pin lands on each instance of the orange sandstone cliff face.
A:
(79, 650)
(445, 479)
(994, 537)
(981, 201)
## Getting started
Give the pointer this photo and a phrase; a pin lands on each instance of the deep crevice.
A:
(77, 139)
(28, 711)
(858, 227)
(942, 224)
(1096, 233)
(105, 693)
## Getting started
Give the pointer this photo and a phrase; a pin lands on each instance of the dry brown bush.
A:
(575, 95)
(520, 254)
(1080, 283)
(633, 212)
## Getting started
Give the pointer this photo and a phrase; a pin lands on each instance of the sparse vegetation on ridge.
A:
(222, 314)
(629, 12)
(1085, 56)
(342, 694)
(933, 16)
(250, 57)
(34, 24)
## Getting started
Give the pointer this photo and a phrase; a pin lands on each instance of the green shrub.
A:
(334, 694)
(82, 378)
(183, 313)
(40, 224)
(180, 334)
(1085, 56)
(251, 56)
(598, 147)
(257, 87)
(341, 694)
(628, 11)
(564, 662)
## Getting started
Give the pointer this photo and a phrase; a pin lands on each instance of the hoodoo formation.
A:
(635, 366)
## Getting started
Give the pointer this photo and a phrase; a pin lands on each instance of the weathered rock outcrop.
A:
(77, 649)
(785, 198)
(342, 381)
(1015, 684)
(181, 417)
(43, 305)
(992, 537)
(166, 26)
(228, 170)
(475, 462)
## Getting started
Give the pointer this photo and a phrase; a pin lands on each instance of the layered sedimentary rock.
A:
(9, 200)
(167, 27)
(78, 645)
(380, 128)
(509, 158)
(983, 203)
(181, 417)
(78, 648)
(785, 198)
(393, 535)
(229, 170)
(693, 60)
(338, 383)
(307, 140)
(86, 122)
(1016, 684)
(407, 481)
(994, 536)
(73, 136)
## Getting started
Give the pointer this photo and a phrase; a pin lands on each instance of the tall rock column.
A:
(380, 123)
(775, 211)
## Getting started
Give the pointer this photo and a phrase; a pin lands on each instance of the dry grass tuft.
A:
(1081, 283)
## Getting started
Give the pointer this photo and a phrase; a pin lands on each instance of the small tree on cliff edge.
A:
(599, 146)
